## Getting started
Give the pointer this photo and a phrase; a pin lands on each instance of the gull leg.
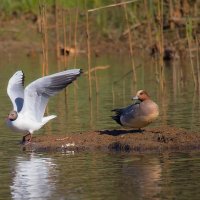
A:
(30, 139)
(24, 138)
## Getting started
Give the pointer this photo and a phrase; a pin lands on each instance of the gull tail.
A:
(48, 118)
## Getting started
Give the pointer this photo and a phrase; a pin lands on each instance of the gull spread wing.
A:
(15, 90)
(37, 93)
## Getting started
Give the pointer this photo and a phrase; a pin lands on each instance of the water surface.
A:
(100, 175)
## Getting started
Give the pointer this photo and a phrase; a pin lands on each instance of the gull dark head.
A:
(12, 115)
(141, 95)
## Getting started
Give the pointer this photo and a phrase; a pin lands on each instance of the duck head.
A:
(141, 95)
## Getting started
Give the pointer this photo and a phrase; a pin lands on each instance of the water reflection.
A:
(101, 175)
(33, 177)
(107, 176)
(140, 178)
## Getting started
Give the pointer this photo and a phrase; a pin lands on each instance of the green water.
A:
(100, 175)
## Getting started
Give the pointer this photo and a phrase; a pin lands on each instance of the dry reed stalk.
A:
(96, 82)
(57, 29)
(44, 44)
(65, 48)
(188, 29)
(91, 114)
(75, 35)
(42, 8)
(148, 17)
(156, 71)
(43, 57)
(181, 77)
(130, 44)
(165, 105)
(97, 106)
(46, 40)
(113, 95)
(112, 5)
(70, 29)
(171, 14)
(88, 53)
(75, 98)
(59, 64)
(174, 80)
(123, 92)
(161, 43)
(98, 68)
(75, 47)
(64, 37)
(198, 66)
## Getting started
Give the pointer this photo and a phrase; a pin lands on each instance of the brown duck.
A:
(137, 115)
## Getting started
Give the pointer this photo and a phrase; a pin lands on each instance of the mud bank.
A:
(149, 140)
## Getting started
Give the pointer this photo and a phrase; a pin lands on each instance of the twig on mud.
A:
(61, 139)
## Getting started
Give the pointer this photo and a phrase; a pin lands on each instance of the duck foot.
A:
(140, 130)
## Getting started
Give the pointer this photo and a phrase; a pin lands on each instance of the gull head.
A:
(12, 115)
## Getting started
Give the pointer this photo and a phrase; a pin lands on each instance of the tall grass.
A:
(158, 23)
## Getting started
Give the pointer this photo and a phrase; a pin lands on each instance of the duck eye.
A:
(141, 93)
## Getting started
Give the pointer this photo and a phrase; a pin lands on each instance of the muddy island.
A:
(159, 139)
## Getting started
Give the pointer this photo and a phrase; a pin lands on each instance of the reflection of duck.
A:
(169, 52)
(137, 115)
(67, 51)
(32, 178)
(141, 176)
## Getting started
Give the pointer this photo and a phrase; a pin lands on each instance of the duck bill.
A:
(135, 98)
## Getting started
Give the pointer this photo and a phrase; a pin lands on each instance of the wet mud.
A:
(158, 139)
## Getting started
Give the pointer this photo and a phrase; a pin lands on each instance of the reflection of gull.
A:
(32, 178)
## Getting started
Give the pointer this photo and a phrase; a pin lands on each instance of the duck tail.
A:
(116, 117)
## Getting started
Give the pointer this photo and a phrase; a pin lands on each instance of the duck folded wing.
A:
(15, 90)
(127, 113)
(37, 93)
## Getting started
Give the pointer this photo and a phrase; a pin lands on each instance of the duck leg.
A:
(140, 130)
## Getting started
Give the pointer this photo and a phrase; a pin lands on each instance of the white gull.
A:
(29, 104)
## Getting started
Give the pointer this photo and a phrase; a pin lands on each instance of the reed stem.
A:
(88, 53)
(130, 44)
